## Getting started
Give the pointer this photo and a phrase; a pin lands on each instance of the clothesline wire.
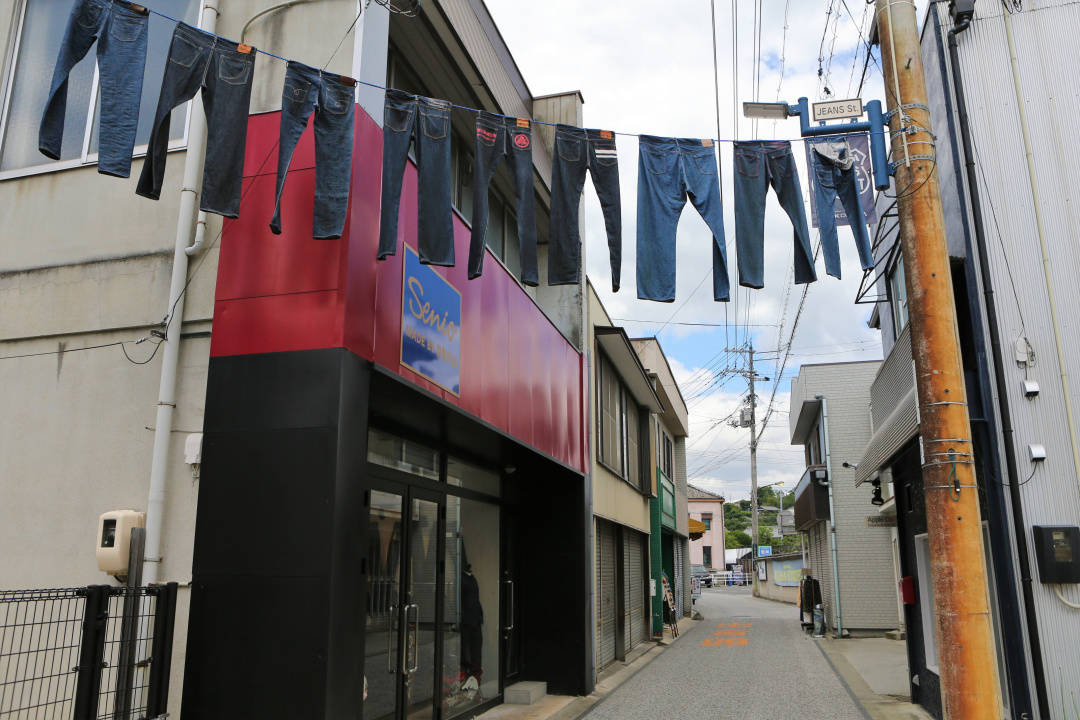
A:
(467, 108)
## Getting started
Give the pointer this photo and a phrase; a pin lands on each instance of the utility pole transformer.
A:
(966, 652)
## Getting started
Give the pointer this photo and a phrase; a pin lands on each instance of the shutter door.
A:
(678, 543)
(608, 621)
(635, 571)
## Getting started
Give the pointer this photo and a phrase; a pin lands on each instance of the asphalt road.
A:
(749, 660)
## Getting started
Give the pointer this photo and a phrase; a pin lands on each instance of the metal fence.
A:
(93, 653)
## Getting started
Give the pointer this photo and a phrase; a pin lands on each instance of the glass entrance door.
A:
(403, 552)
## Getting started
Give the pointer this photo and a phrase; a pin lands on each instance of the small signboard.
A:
(764, 551)
(787, 573)
(837, 109)
(430, 324)
(880, 521)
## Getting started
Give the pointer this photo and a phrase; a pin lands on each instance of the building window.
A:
(618, 426)
(926, 602)
(898, 296)
(814, 452)
(26, 88)
(706, 556)
(706, 518)
(664, 450)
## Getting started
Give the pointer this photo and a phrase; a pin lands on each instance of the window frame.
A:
(86, 158)
(926, 602)
(898, 299)
(623, 399)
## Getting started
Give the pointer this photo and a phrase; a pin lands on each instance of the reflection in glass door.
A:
(403, 555)
(470, 665)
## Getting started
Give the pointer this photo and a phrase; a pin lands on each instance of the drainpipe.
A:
(185, 222)
(1019, 526)
(832, 514)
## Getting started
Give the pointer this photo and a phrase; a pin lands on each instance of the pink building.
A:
(708, 550)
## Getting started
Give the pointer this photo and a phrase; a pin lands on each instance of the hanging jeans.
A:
(759, 164)
(198, 60)
(578, 150)
(498, 137)
(669, 170)
(426, 121)
(120, 29)
(831, 180)
(332, 99)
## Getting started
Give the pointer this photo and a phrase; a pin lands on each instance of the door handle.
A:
(415, 647)
(390, 641)
(509, 606)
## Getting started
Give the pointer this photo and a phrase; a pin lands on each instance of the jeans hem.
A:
(663, 300)
(575, 281)
(49, 153)
(754, 286)
(326, 236)
(148, 194)
(114, 173)
(232, 214)
(437, 263)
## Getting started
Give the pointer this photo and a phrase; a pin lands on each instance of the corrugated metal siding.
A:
(1047, 53)
(637, 546)
(477, 43)
(605, 573)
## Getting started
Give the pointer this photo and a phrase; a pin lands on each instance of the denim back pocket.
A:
(436, 125)
(658, 162)
(782, 164)
(233, 70)
(486, 135)
(125, 28)
(747, 163)
(337, 100)
(183, 52)
(569, 148)
(705, 163)
(295, 91)
(397, 118)
(606, 159)
(89, 15)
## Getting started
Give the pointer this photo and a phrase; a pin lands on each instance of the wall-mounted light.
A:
(877, 499)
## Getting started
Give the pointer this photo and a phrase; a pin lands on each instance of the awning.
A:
(616, 345)
(901, 425)
(697, 529)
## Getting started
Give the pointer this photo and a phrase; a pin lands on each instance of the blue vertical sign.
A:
(430, 324)
(864, 178)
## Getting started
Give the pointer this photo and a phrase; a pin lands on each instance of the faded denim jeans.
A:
(669, 171)
(120, 29)
(408, 118)
(198, 60)
(759, 164)
(331, 98)
(832, 180)
(498, 137)
(578, 150)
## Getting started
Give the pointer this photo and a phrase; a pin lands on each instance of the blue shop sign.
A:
(430, 324)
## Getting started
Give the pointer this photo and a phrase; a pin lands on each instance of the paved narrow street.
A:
(747, 660)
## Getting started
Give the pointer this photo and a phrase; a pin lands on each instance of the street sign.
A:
(764, 551)
(837, 109)
(880, 521)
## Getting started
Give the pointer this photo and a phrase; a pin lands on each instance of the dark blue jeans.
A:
(498, 137)
(332, 99)
(198, 60)
(830, 182)
(578, 150)
(669, 170)
(120, 30)
(427, 121)
(759, 164)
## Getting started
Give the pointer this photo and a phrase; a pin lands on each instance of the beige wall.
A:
(772, 591)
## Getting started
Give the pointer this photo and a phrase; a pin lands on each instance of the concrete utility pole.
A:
(751, 377)
(966, 652)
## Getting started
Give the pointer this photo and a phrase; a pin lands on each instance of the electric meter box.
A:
(1057, 548)
(114, 539)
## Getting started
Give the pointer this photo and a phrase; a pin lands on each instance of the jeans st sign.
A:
(837, 110)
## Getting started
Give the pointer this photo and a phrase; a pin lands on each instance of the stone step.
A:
(525, 693)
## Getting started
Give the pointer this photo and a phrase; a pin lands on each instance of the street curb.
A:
(843, 680)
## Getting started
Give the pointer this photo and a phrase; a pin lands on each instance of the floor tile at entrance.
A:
(544, 708)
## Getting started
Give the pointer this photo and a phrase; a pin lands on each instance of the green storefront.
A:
(661, 544)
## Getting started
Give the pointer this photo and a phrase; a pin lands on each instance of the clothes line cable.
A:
(537, 122)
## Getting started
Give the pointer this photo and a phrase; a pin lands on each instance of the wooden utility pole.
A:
(966, 652)
(752, 400)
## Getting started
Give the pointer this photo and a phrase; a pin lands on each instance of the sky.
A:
(646, 67)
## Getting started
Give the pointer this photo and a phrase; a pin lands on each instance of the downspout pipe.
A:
(166, 406)
(1019, 526)
(832, 515)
